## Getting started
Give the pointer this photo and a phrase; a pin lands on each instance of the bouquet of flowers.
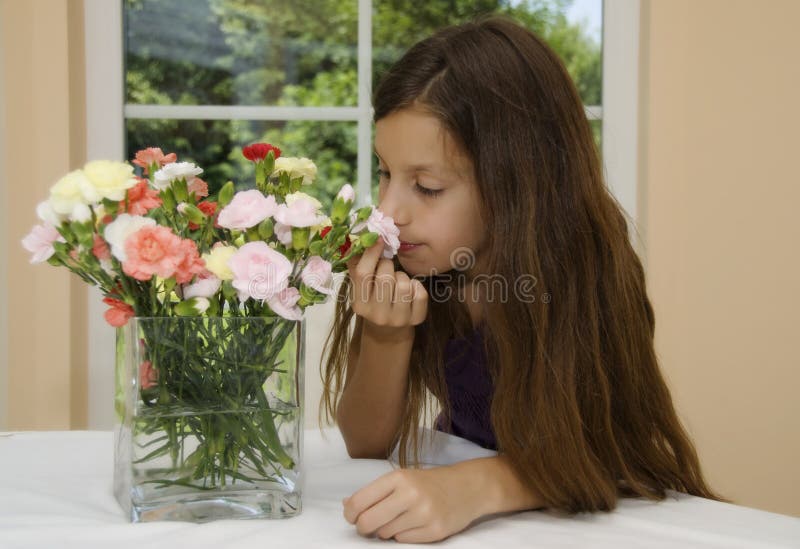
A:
(159, 247)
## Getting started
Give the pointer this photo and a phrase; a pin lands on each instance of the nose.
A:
(394, 203)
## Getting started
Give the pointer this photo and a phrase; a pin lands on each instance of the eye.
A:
(426, 191)
(382, 174)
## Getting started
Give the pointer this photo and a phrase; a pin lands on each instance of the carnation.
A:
(164, 177)
(385, 227)
(108, 180)
(296, 167)
(117, 232)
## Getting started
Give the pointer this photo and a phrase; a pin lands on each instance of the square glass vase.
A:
(209, 418)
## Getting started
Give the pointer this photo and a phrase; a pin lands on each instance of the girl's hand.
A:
(414, 505)
(387, 299)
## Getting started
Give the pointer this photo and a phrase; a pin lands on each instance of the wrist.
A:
(388, 335)
(494, 487)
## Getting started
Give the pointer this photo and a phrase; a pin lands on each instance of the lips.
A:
(408, 246)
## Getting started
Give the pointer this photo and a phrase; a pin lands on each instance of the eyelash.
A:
(433, 193)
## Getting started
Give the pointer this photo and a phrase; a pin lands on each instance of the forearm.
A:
(373, 401)
(495, 485)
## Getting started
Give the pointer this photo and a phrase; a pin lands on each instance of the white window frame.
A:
(106, 114)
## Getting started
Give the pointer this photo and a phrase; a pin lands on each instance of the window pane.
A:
(597, 131)
(573, 30)
(215, 146)
(236, 52)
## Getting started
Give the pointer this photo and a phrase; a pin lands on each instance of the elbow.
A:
(365, 452)
(360, 447)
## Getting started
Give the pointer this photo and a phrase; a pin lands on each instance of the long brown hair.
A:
(580, 407)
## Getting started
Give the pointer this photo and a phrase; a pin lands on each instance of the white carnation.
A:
(164, 177)
(120, 229)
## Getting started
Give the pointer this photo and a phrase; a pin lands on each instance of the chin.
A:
(417, 268)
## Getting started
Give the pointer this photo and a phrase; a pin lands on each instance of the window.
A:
(205, 77)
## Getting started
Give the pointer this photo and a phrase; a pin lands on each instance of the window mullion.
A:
(364, 171)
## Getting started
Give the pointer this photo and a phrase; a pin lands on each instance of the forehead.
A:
(412, 137)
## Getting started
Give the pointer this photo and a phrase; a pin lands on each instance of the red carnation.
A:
(209, 208)
(344, 248)
(259, 151)
(119, 313)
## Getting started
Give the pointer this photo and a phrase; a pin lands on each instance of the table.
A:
(55, 491)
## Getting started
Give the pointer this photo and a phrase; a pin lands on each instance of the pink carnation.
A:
(206, 286)
(141, 199)
(40, 242)
(284, 303)
(190, 263)
(152, 251)
(198, 187)
(347, 193)
(247, 209)
(283, 233)
(148, 376)
(385, 227)
(119, 313)
(259, 271)
(153, 155)
(317, 274)
(302, 212)
(100, 248)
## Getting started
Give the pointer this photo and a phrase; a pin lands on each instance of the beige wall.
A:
(43, 104)
(717, 198)
(718, 202)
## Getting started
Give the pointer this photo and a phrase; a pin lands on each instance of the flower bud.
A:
(341, 208)
(369, 239)
(226, 194)
(192, 213)
(364, 213)
(168, 199)
(265, 228)
(180, 189)
(192, 307)
(300, 237)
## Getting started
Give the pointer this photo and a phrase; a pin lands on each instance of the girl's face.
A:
(427, 186)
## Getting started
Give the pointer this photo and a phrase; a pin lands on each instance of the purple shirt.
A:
(470, 388)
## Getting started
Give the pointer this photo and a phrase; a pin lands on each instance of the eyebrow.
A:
(422, 167)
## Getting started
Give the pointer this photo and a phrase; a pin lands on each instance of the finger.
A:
(403, 290)
(365, 263)
(384, 284)
(368, 496)
(362, 272)
(402, 299)
(419, 303)
(403, 522)
(381, 514)
(417, 535)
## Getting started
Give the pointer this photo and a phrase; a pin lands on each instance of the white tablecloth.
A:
(55, 491)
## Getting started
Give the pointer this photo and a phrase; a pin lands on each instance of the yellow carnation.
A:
(217, 261)
(296, 167)
(109, 179)
(68, 192)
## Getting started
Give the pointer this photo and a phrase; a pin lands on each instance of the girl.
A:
(488, 166)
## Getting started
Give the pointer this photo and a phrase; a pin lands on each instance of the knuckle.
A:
(362, 525)
(360, 272)
(425, 508)
(403, 287)
(438, 530)
(380, 319)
